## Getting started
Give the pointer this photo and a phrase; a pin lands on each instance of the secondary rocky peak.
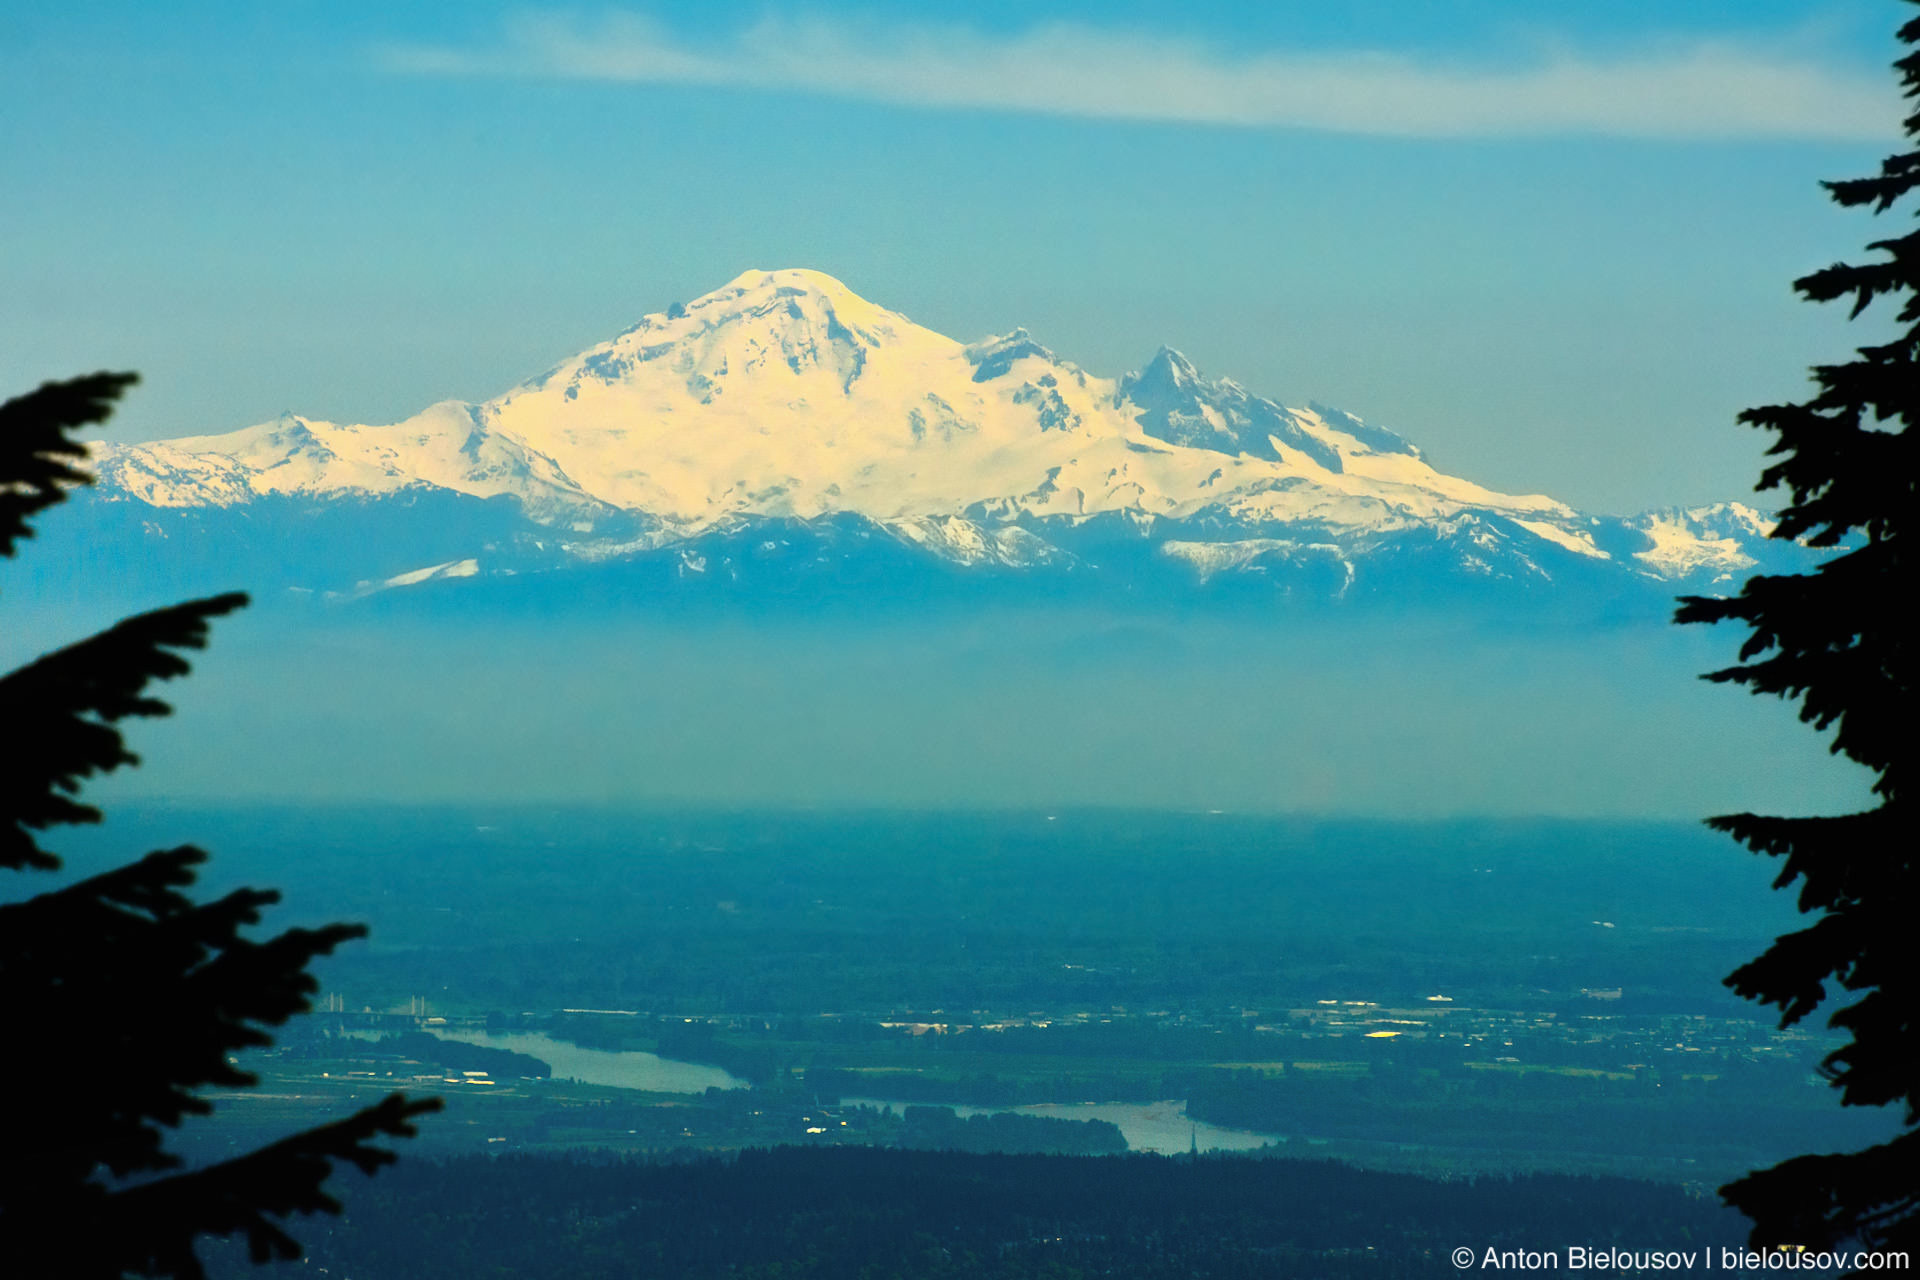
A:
(1168, 369)
(1175, 403)
(995, 357)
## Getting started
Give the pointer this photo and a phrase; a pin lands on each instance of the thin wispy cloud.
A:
(1694, 89)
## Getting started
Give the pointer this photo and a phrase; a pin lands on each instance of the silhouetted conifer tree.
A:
(1839, 641)
(121, 995)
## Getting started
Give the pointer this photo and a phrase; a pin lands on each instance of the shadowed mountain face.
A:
(786, 413)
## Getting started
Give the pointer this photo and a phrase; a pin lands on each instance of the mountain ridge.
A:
(785, 396)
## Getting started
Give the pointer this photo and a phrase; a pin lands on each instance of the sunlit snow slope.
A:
(785, 395)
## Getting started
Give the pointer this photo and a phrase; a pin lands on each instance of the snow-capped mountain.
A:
(784, 401)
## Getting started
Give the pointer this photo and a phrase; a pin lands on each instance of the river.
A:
(623, 1070)
(1148, 1126)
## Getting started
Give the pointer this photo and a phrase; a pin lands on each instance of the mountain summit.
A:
(785, 396)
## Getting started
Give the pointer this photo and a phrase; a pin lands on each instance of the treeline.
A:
(1724, 1122)
(943, 1129)
(878, 1214)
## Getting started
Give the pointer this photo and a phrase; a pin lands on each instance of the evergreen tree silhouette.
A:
(123, 995)
(1838, 641)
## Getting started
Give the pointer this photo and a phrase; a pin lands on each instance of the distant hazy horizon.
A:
(1000, 710)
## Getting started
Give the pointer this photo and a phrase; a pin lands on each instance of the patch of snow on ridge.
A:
(1575, 540)
(165, 475)
(451, 569)
(414, 577)
(964, 542)
(450, 446)
(1692, 539)
(1737, 516)
(1212, 558)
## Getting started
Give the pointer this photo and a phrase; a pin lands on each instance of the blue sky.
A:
(1552, 244)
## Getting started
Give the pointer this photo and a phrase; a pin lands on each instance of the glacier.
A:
(786, 403)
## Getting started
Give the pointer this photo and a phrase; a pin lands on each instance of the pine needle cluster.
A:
(125, 997)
